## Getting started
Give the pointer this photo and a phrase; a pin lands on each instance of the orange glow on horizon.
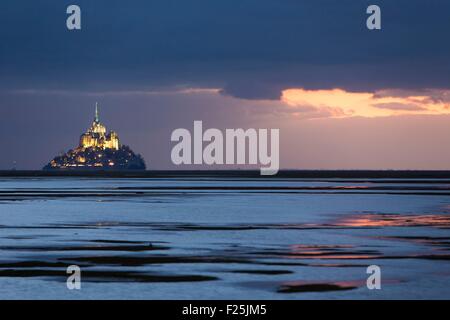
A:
(392, 220)
(339, 103)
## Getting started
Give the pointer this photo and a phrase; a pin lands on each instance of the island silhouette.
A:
(98, 150)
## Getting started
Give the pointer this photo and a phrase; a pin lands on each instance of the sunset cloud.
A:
(339, 103)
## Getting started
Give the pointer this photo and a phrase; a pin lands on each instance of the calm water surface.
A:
(224, 238)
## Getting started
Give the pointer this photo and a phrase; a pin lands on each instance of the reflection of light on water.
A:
(331, 256)
(348, 283)
(351, 187)
(299, 251)
(345, 284)
(392, 220)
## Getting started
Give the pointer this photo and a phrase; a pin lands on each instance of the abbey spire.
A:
(96, 119)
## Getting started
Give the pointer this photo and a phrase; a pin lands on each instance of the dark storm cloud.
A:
(140, 58)
(250, 48)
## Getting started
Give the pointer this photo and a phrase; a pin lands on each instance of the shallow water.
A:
(224, 238)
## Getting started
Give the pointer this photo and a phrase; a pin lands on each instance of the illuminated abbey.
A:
(96, 136)
(98, 150)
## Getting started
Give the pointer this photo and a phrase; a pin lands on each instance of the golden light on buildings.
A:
(98, 149)
(96, 136)
(81, 159)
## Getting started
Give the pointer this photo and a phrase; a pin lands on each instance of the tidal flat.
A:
(224, 238)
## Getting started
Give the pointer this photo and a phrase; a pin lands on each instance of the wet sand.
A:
(228, 239)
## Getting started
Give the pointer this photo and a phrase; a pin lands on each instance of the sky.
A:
(343, 96)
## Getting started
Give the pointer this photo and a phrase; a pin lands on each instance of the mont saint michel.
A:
(98, 150)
